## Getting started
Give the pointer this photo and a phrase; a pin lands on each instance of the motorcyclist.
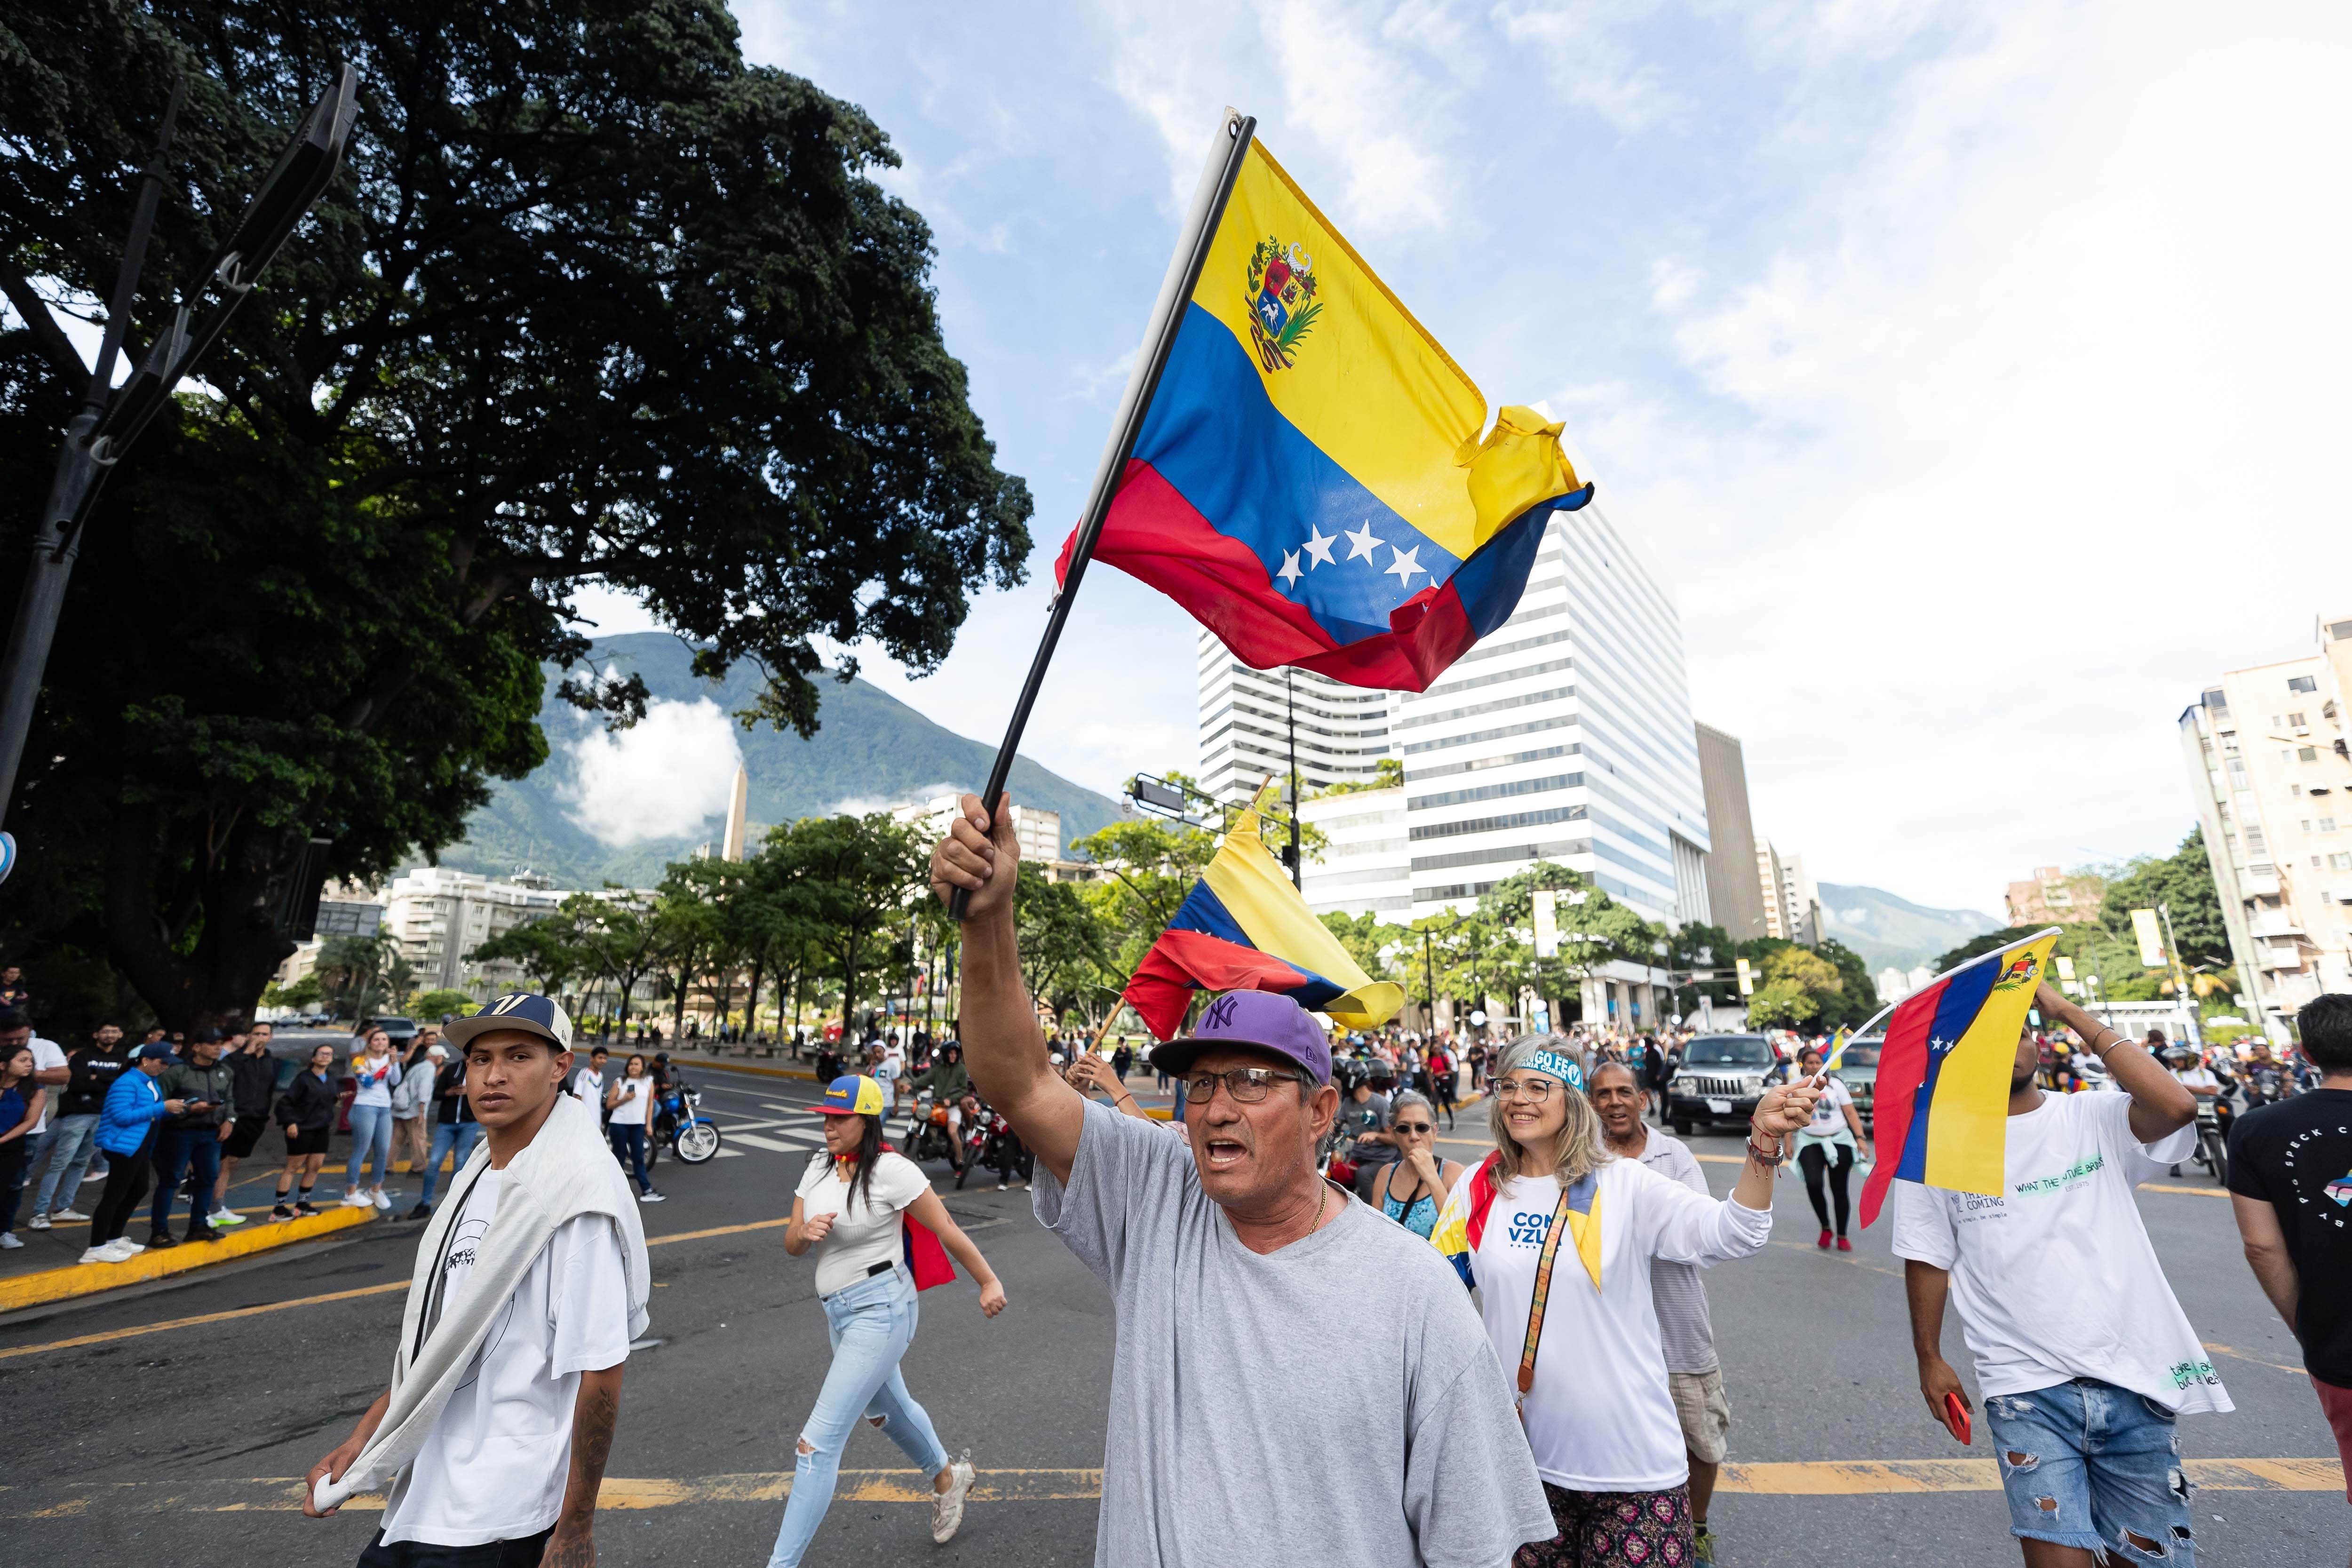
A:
(2264, 1077)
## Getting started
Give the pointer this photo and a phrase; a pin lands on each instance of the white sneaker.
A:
(358, 1201)
(947, 1507)
(651, 1198)
(9, 1241)
(68, 1214)
(128, 1247)
(225, 1216)
(104, 1255)
(381, 1200)
(38, 1222)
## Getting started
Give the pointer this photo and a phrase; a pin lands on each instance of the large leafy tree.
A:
(591, 301)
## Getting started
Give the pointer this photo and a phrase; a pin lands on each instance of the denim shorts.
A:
(2087, 1464)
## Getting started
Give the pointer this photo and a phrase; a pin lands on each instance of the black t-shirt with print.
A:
(2296, 1156)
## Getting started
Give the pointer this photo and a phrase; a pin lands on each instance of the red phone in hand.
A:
(1955, 1416)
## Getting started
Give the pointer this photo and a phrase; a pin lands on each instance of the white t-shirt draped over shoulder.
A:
(869, 1230)
(2054, 1278)
(496, 1463)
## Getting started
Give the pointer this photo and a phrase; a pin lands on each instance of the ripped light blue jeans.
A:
(2087, 1464)
(871, 1324)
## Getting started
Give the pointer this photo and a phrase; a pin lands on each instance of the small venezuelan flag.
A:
(1309, 480)
(1942, 1096)
(1244, 927)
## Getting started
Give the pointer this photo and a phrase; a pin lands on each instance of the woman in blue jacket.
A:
(126, 1130)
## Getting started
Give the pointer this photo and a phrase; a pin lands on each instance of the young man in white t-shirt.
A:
(2083, 1356)
(508, 1472)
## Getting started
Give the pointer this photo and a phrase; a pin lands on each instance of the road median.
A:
(48, 1285)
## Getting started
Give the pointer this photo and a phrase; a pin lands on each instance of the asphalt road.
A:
(159, 1443)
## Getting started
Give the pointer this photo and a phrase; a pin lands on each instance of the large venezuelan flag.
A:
(1244, 927)
(1309, 480)
(1942, 1097)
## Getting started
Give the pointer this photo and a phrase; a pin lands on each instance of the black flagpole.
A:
(1175, 292)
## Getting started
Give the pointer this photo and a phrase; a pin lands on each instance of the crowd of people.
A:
(1568, 1409)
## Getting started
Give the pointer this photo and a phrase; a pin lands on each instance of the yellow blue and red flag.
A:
(1244, 927)
(1310, 480)
(1942, 1096)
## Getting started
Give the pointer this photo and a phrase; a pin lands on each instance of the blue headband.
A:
(1563, 1068)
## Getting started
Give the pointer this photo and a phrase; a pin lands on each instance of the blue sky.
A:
(1974, 370)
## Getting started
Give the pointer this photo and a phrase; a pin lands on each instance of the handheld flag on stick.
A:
(1244, 927)
(1942, 1099)
(1310, 480)
(1294, 406)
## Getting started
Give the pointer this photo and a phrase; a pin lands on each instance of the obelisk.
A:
(736, 800)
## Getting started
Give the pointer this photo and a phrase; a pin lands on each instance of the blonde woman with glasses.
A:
(1558, 1236)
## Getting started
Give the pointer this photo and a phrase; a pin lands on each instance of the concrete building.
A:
(2269, 754)
(2053, 898)
(1566, 735)
(437, 916)
(1734, 898)
(1247, 715)
(1792, 910)
(1364, 867)
(1038, 832)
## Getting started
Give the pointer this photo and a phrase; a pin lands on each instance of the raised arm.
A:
(2161, 1105)
(1003, 1048)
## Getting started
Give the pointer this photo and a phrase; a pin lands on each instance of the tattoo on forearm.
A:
(592, 1438)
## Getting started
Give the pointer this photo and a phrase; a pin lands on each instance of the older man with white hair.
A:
(1221, 1253)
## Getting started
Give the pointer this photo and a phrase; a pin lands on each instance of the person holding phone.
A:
(626, 1099)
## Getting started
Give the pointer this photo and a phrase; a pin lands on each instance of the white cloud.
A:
(665, 777)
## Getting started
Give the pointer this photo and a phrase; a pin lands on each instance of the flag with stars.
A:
(1942, 1096)
(1310, 480)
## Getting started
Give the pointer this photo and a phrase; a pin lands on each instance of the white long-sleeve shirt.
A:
(1600, 1418)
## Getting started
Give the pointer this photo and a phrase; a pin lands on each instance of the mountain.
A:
(1886, 930)
(870, 752)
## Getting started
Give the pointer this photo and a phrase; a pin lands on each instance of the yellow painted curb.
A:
(89, 1279)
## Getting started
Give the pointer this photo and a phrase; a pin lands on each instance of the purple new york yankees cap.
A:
(1266, 1019)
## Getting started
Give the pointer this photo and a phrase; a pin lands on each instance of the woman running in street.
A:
(852, 1206)
(627, 1098)
(307, 1112)
(1413, 1187)
(1829, 1145)
(1552, 1204)
(377, 1072)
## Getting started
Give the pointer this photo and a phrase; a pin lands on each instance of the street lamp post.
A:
(109, 421)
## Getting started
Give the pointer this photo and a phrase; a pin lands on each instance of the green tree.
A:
(859, 875)
(1369, 941)
(1149, 868)
(299, 994)
(591, 301)
(1799, 989)
(428, 1006)
(2181, 883)
(1064, 947)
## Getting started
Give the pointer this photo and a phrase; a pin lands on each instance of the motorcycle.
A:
(2214, 1117)
(692, 1136)
(934, 1136)
(983, 1132)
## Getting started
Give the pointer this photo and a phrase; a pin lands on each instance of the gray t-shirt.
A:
(1238, 1434)
(1685, 1331)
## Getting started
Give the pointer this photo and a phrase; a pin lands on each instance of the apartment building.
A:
(1249, 719)
(2054, 897)
(1792, 903)
(439, 916)
(2269, 754)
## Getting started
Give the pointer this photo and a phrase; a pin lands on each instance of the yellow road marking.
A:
(1817, 1477)
(112, 1334)
(2274, 1366)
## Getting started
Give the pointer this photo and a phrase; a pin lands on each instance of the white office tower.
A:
(1565, 735)
(1246, 714)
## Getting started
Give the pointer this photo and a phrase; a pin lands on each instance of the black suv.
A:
(1719, 1081)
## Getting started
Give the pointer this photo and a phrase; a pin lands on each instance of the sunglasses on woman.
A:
(1416, 1127)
